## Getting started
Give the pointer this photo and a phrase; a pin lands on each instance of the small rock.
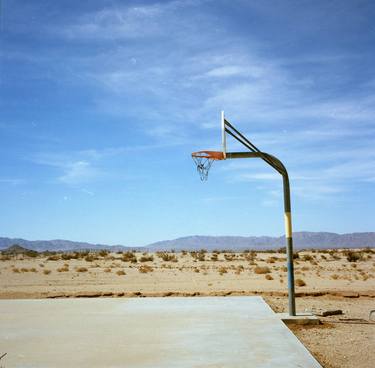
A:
(331, 312)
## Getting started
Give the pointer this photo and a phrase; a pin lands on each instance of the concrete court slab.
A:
(230, 332)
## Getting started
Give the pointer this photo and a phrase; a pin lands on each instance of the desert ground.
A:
(325, 280)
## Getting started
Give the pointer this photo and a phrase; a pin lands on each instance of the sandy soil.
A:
(331, 282)
(344, 341)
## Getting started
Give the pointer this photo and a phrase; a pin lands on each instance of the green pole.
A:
(279, 167)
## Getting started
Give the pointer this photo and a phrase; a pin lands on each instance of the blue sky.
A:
(103, 101)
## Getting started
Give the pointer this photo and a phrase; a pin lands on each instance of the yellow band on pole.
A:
(288, 224)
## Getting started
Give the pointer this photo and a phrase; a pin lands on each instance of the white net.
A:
(203, 166)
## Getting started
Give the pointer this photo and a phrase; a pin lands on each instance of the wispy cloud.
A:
(79, 172)
(73, 168)
(320, 184)
(127, 22)
(12, 181)
(117, 23)
(77, 168)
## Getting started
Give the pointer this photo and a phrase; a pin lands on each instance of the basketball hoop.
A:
(204, 160)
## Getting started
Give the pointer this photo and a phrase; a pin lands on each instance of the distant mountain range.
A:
(54, 245)
(302, 240)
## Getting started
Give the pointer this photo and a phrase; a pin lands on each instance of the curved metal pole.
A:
(279, 167)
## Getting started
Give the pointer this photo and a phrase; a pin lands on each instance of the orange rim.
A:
(213, 155)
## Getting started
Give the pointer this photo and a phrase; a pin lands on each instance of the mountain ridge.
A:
(302, 239)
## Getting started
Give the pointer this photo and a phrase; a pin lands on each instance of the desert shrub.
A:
(33, 269)
(307, 257)
(146, 258)
(353, 256)
(250, 256)
(201, 257)
(5, 257)
(66, 256)
(63, 269)
(16, 270)
(222, 270)
(54, 257)
(145, 269)
(305, 268)
(47, 253)
(107, 269)
(229, 257)
(129, 257)
(81, 269)
(46, 272)
(295, 255)
(335, 276)
(214, 257)
(261, 269)
(268, 277)
(103, 253)
(196, 269)
(166, 257)
(23, 269)
(31, 253)
(83, 253)
(271, 259)
(75, 255)
(91, 258)
(121, 272)
(300, 282)
(239, 269)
